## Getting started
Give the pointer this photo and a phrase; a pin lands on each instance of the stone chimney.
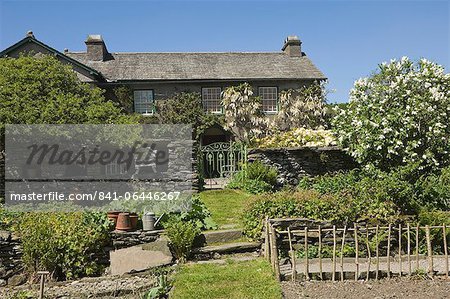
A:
(292, 46)
(96, 48)
(30, 34)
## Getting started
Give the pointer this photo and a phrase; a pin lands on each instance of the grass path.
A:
(247, 279)
(226, 206)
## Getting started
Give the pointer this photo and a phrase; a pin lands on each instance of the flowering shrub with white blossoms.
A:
(298, 137)
(398, 116)
(242, 112)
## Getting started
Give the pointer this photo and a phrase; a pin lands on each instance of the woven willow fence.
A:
(354, 252)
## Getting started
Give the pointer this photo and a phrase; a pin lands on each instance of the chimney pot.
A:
(96, 48)
(292, 46)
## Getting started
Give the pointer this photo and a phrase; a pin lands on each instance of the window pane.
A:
(143, 101)
(269, 98)
(212, 100)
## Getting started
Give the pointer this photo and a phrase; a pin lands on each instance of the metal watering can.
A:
(149, 221)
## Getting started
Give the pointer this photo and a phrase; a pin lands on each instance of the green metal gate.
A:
(222, 159)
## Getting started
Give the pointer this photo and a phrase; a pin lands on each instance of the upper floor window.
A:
(269, 99)
(144, 102)
(211, 99)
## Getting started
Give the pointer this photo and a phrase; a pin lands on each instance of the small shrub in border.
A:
(63, 243)
(181, 236)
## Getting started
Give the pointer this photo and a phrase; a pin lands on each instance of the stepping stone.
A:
(218, 236)
(140, 257)
(229, 248)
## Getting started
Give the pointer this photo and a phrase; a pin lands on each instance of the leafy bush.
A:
(369, 186)
(199, 214)
(254, 178)
(298, 137)
(63, 243)
(186, 108)
(337, 208)
(434, 190)
(181, 235)
(399, 115)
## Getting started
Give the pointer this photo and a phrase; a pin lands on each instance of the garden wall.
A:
(293, 163)
(10, 256)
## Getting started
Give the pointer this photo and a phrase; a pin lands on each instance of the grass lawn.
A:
(247, 279)
(226, 206)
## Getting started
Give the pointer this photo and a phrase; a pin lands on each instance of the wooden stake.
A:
(42, 285)
(342, 253)
(429, 250)
(400, 249)
(266, 240)
(389, 253)
(333, 274)
(276, 264)
(417, 247)
(356, 253)
(444, 232)
(369, 258)
(306, 255)
(292, 256)
(320, 253)
(377, 253)
(408, 248)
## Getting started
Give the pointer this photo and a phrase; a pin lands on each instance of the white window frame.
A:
(141, 99)
(261, 92)
(207, 100)
(113, 168)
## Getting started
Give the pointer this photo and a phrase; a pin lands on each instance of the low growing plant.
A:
(181, 236)
(254, 178)
(63, 243)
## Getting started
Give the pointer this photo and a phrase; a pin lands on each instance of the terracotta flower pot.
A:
(134, 221)
(112, 216)
(123, 222)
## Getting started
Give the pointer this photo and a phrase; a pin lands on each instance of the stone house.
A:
(156, 76)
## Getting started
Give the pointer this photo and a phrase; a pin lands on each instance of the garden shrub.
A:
(181, 236)
(198, 214)
(336, 208)
(63, 243)
(398, 115)
(368, 186)
(254, 178)
(297, 137)
(434, 190)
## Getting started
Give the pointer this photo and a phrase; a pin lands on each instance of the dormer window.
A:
(144, 102)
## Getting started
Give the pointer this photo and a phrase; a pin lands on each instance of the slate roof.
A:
(202, 66)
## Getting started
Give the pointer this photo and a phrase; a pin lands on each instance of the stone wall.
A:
(128, 239)
(10, 257)
(293, 163)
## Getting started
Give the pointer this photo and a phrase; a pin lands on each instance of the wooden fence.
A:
(354, 252)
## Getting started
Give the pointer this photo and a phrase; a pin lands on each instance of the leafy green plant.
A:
(159, 291)
(186, 108)
(337, 208)
(254, 178)
(181, 236)
(63, 243)
(199, 214)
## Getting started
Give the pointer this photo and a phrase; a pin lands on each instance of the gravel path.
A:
(383, 289)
